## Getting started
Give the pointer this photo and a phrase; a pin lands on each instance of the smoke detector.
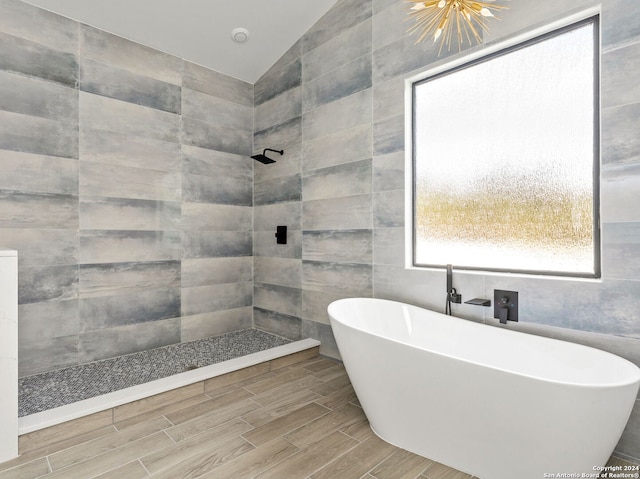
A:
(240, 35)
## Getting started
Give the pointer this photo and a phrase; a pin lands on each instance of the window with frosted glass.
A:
(505, 154)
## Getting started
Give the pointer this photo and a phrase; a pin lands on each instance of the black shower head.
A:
(262, 158)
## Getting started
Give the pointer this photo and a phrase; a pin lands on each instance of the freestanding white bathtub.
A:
(490, 402)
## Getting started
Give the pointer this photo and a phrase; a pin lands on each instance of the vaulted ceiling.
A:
(200, 30)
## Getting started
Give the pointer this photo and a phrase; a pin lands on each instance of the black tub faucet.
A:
(452, 294)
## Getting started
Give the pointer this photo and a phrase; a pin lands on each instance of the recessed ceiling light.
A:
(240, 35)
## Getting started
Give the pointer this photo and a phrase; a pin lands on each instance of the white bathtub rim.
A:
(632, 381)
(52, 417)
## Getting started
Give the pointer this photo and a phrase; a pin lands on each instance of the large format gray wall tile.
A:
(349, 212)
(354, 279)
(283, 136)
(125, 278)
(392, 14)
(315, 304)
(620, 189)
(31, 210)
(347, 46)
(339, 83)
(216, 111)
(107, 343)
(349, 246)
(60, 351)
(102, 113)
(388, 135)
(38, 284)
(388, 171)
(278, 110)
(620, 142)
(216, 137)
(38, 173)
(284, 75)
(121, 53)
(41, 246)
(526, 15)
(278, 323)
(216, 297)
(344, 15)
(390, 61)
(279, 271)
(123, 149)
(284, 299)
(264, 243)
(266, 216)
(217, 84)
(202, 271)
(44, 321)
(105, 312)
(116, 246)
(216, 177)
(204, 325)
(37, 25)
(36, 97)
(388, 246)
(216, 217)
(343, 146)
(620, 24)
(37, 60)
(208, 244)
(31, 134)
(621, 250)
(342, 180)
(618, 87)
(339, 115)
(112, 82)
(100, 179)
(277, 190)
(100, 213)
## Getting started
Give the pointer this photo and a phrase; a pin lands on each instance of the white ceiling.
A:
(200, 30)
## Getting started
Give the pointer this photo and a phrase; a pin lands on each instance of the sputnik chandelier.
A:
(438, 18)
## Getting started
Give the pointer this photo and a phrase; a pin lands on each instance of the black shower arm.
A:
(275, 151)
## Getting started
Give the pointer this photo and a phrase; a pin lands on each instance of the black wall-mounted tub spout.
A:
(263, 158)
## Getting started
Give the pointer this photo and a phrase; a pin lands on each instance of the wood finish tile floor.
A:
(299, 421)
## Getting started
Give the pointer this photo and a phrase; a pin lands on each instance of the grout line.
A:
(143, 466)
(170, 422)
(49, 465)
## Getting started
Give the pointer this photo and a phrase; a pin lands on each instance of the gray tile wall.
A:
(335, 102)
(125, 186)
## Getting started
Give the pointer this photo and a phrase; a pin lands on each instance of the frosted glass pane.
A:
(504, 160)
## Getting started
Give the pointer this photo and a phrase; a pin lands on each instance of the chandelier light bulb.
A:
(462, 20)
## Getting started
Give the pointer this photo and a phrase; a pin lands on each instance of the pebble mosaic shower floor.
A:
(52, 389)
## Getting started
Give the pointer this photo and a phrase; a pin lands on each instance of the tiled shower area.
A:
(125, 186)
